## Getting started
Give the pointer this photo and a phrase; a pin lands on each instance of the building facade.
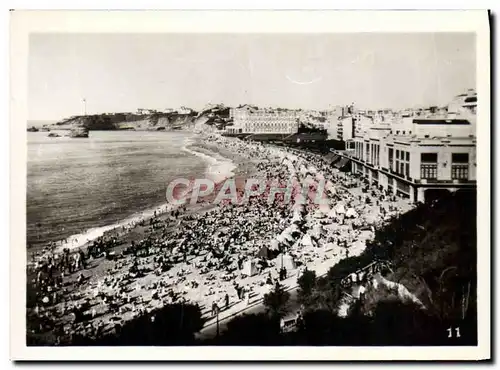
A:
(432, 154)
(251, 120)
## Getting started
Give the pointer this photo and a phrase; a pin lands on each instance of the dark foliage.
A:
(171, 325)
(307, 284)
(276, 301)
(255, 329)
(433, 247)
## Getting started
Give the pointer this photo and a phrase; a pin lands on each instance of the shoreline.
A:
(201, 288)
(224, 169)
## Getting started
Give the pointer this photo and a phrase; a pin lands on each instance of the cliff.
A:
(127, 121)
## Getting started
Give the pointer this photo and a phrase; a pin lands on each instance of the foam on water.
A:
(218, 170)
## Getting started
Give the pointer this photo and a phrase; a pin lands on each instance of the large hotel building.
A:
(420, 153)
(251, 120)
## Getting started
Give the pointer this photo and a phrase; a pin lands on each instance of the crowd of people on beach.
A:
(219, 257)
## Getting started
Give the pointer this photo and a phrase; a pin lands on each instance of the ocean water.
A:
(79, 188)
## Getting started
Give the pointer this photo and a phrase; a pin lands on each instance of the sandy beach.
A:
(228, 254)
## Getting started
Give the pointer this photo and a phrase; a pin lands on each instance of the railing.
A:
(428, 171)
(460, 172)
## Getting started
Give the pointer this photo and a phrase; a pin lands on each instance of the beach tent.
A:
(296, 216)
(340, 209)
(286, 261)
(250, 268)
(332, 213)
(307, 241)
(351, 213)
(330, 187)
(274, 244)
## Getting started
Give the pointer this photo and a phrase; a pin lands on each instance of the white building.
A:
(464, 102)
(145, 111)
(184, 110)
(413, 155)
(251, 120)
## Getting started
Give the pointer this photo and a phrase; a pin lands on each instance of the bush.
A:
(276, 301)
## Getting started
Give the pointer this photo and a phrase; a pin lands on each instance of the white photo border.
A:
(25, 22)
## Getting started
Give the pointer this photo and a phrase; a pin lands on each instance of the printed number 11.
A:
(450, 332)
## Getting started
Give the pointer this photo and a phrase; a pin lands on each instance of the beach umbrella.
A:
(340, 209)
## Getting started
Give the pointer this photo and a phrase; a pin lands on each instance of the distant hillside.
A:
(128, 121)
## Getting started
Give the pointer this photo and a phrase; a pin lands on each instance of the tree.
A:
(174, 324)
(251, 329)
(276, 301)
(307, 284)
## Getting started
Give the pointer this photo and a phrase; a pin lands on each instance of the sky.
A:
(124, 72)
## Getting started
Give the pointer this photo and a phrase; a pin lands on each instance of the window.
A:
(428, 157)
(407, 169)
(397, 132)
(460, 157)
(407, 156)
(460, 171)
(460, 166)
(391, 157)
(397, 154)
(428, 171)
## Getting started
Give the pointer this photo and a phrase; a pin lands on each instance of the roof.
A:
(441, 121)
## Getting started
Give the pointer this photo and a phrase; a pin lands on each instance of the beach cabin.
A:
(250, 268)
